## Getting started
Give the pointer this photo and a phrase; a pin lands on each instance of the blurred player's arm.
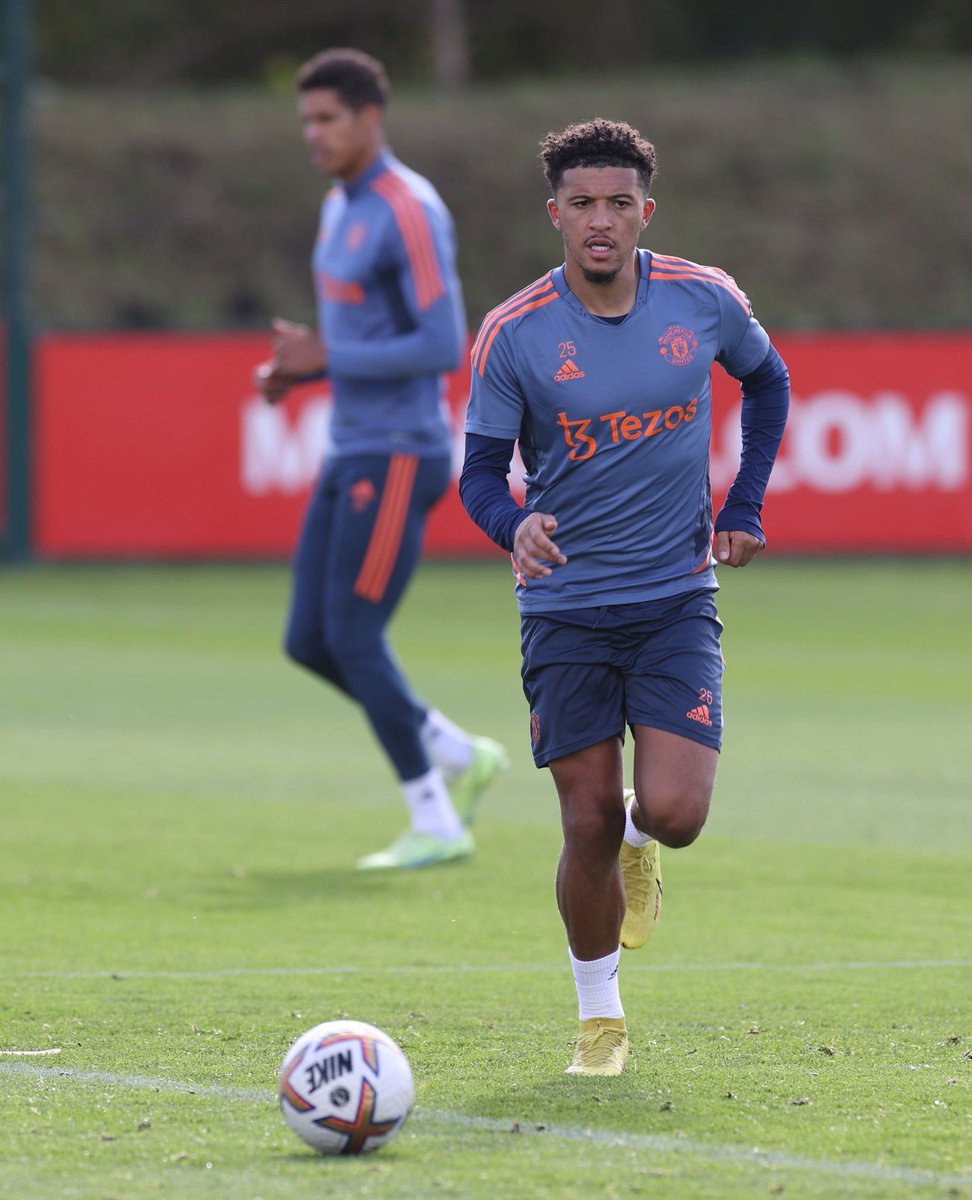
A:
(434, 345)
(426, 282)
(298, 357)
(765, 404)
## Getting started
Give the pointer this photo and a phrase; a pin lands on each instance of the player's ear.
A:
(372, 115)
(554, 212)
(646, 212)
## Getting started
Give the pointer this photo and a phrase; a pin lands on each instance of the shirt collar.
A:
(644, 270)
(360, 182)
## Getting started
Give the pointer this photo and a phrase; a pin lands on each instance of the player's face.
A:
(601, 212)
(342, 141)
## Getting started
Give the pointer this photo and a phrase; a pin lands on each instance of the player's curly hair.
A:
(597, 143)
(357, 78)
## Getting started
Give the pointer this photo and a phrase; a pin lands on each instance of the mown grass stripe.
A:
(658, 1143)
(492, 969)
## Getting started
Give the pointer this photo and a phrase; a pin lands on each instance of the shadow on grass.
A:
(263, 889)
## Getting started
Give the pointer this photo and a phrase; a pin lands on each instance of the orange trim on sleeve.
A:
(495, 315)
(673, 260)
(738, 296)
(665, 266)
(386, 535)
(517, 312)
(413, 224)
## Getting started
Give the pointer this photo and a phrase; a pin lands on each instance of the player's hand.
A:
(297, 350)
(533, 550)
(735, 548)
(268, 381)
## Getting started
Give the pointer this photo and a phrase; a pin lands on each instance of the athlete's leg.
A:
(590, 894)
(576, 700)
(377, 526)
(673, 699)
(304, 633)
(673, 779)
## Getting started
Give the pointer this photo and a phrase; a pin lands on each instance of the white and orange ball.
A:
(345, 1087)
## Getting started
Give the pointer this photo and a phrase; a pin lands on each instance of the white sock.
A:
(597, 986)
(449, 747)
(632, 834)
(430, 807)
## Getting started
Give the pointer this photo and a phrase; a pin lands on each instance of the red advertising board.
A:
(155, 446)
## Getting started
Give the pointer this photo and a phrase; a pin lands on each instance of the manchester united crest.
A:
(678, 345)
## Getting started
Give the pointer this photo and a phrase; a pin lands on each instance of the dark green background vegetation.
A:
(820, 155)
(837, 195)
(218, 41)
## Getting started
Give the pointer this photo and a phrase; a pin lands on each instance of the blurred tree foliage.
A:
(837, 193)
(152, 42)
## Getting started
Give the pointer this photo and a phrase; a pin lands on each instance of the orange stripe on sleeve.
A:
(516, 312)
(538, 285)
(493, 316)
(413, 224)
(386, 187)
(667, 266)
(737, 295)
(415, 231)
(670, 262)
(386, 535)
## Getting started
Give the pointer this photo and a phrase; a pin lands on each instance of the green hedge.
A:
(837, 195)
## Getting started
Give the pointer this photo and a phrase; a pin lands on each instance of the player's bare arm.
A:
(735, 548)
(533, 549)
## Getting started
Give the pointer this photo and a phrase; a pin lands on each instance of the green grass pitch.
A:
(182, 809)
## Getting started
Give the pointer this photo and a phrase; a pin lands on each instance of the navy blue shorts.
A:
(590, 673)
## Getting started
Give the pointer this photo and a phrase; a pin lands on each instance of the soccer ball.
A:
(345, 1088)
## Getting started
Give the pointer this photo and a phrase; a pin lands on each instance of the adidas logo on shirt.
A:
(570, 370)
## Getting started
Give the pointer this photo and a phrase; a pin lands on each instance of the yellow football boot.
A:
(602, 1047)
(641, 871)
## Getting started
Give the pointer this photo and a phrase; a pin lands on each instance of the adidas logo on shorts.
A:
(700, 714)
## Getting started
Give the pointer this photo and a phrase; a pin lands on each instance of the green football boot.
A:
(418, 850)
